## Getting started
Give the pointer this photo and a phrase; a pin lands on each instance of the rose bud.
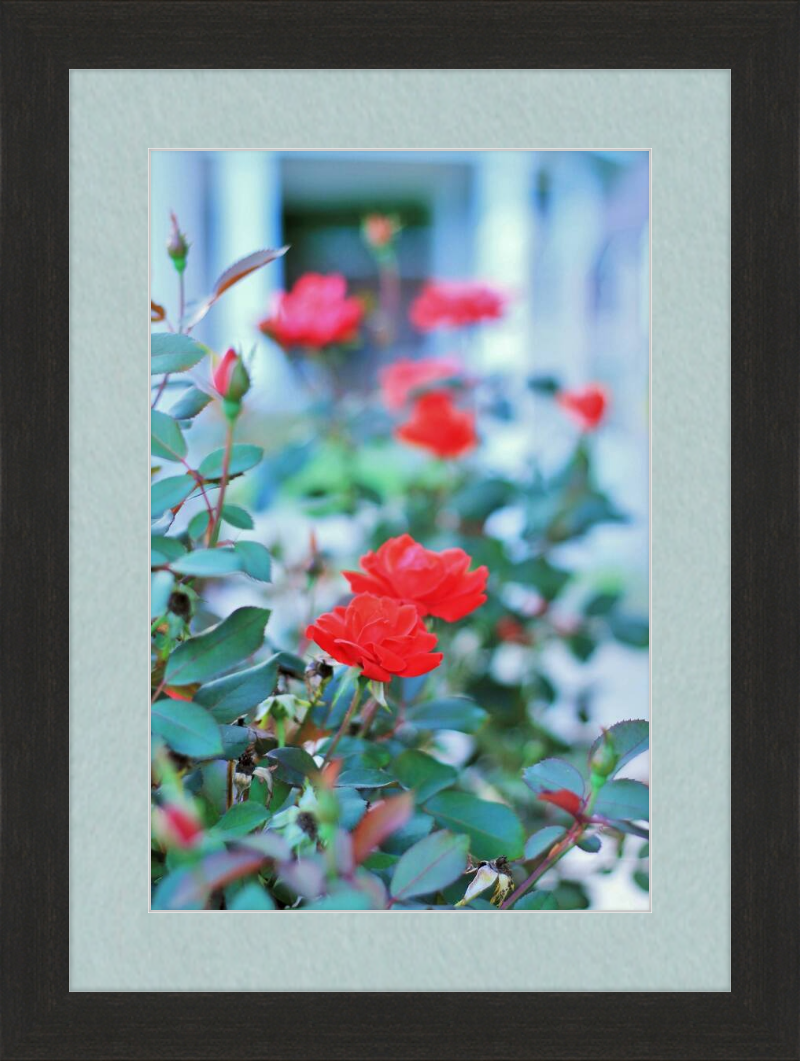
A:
(379, 230)
(379, 635)
(231, 381)
(437, 584)
(177, 247)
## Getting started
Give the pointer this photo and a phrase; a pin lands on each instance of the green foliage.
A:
(174, 353)
(493, 828)
(283, 779)
(218, 649)
(429, 865)
(187, 728)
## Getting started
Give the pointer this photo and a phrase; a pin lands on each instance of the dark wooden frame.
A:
(758, 42)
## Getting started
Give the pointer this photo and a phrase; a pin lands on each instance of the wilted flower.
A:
(314, 314)
(511, 630)
(379, 635)
(436, 583)
(496, 872)
(454, 304)
(586, 406)
(404, 377)
(437, 425)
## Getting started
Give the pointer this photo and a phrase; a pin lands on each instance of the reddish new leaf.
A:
(379, 822)
(236, 272)
(564, 799)
(157, 313)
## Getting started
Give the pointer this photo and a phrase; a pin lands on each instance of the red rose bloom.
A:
(435, 583)
(404, 376)
(437, 425)
(314, 314)
(378, 634)
(586, 406)
(452, 304)
(221, 376)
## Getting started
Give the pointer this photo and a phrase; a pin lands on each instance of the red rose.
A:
(587, 406)
(435, 583)
(378, 634)
(437, 425)
(404, 376)
(314, 314)
(452, 304)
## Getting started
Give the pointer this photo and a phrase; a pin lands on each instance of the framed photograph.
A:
(460, 318)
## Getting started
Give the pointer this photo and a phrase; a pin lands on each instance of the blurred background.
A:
(566, 235)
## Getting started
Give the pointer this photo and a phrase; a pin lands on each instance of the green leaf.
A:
(294, 765)
(174, 353)
(190, 889)
(164, 550)
(344, 899)
(229, 698)
(630, 630)
(550, 775)
(198, 524)
(208, 563)
(642, 879)
(218, 649)
(542, 841)
(592, 844)
(418, 826)
(237, 516)
(161, 583)
(190, 403)
(167, 493)
(186, 727)
(538, 900)
(166, 438)
(629, 739)
(430, 865)
(493, 828)
(546, 579)
(625, 800)
(251, 897)
(235, 740)
(362, 777)
(454, 712)
(601, 604)
(243, 457)
(422, 773)
(254, 559)
(242, 818)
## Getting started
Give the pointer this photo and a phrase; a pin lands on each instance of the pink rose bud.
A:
(230, 377)
(379, 230)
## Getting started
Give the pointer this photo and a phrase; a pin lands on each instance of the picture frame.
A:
(758, 43)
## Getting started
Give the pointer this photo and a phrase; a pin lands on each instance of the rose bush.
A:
(372, 725)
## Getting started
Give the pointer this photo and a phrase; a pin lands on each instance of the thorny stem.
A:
(345, 723)
(160, 390)
(213, 526)
(557, 851)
